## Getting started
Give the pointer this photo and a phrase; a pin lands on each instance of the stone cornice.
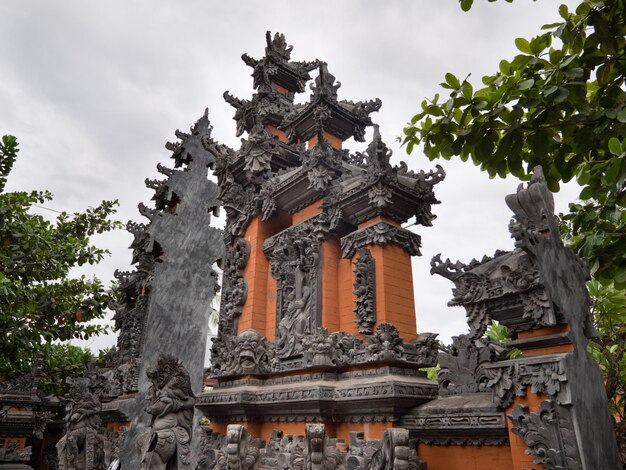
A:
(380, 233)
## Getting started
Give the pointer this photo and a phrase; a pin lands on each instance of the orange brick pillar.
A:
(522, 460)
(254, 312)
(395, 302)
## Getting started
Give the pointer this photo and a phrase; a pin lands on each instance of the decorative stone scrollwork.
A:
(235, 288)
(461, 368)
(510, 380)
(508, 279)
(170, 403)
(549, 435)
(365, 292)
(380, 233)
(258, 150)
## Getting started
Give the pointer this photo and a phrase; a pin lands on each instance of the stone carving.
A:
(365, 292)
(396, 452)
(170, 403)
(113, 446)
(12, 452)
(249, 353)
(235, 288)
(509, 280)
(511, 378)
(258, 150)
(241, 451)
(535, 229)
(82, 444)
(40, 419)
(294, 255)
(461, 364)
(549, 435)
(380, 233)
(240, 204)
(276, 78)
(24, 384)
(313, 451)
(319, 453)
(322, 164)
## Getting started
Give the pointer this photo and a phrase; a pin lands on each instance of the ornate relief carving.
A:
(380, 233)
(235, 288)
(509, 277)
(170, 403)
(461, 364)
(294, 255)
(549, 435)
(510, 380)
(313, 451)
(365, 292)
(248, 353)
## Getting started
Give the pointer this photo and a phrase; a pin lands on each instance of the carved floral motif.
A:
(549, 435)
(365, 292)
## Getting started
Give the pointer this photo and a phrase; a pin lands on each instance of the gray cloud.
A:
(94, 89)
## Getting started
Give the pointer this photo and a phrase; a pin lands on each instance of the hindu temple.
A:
(318, 362)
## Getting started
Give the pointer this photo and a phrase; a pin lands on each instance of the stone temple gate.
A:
(317, 363)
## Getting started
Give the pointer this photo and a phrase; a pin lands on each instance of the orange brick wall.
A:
(253, 314)
(346, 297)
(394, 294)
(308, 211)
(331, 254)
(466, 457)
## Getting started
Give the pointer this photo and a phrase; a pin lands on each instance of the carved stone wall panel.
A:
(365, 292)
(548, 434)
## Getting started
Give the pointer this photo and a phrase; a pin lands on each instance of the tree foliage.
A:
(559, 103)
(39, 301)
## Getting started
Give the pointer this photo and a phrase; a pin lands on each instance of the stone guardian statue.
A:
(166, 445)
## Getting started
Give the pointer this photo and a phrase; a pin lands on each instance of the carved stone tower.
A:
(317, 322)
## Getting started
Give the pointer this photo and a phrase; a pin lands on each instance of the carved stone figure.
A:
(241, 452)
(170, 403)
(82, 445)
(365, 292)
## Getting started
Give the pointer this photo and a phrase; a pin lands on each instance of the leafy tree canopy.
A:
(39, 301)
(559, 103)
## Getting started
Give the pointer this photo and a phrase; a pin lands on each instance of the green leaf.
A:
(466, 5)
(523, 45)
(452, 81)
(615, 146)
(621, 116)
(526, 84)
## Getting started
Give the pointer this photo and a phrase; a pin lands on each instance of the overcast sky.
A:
(94, 89)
